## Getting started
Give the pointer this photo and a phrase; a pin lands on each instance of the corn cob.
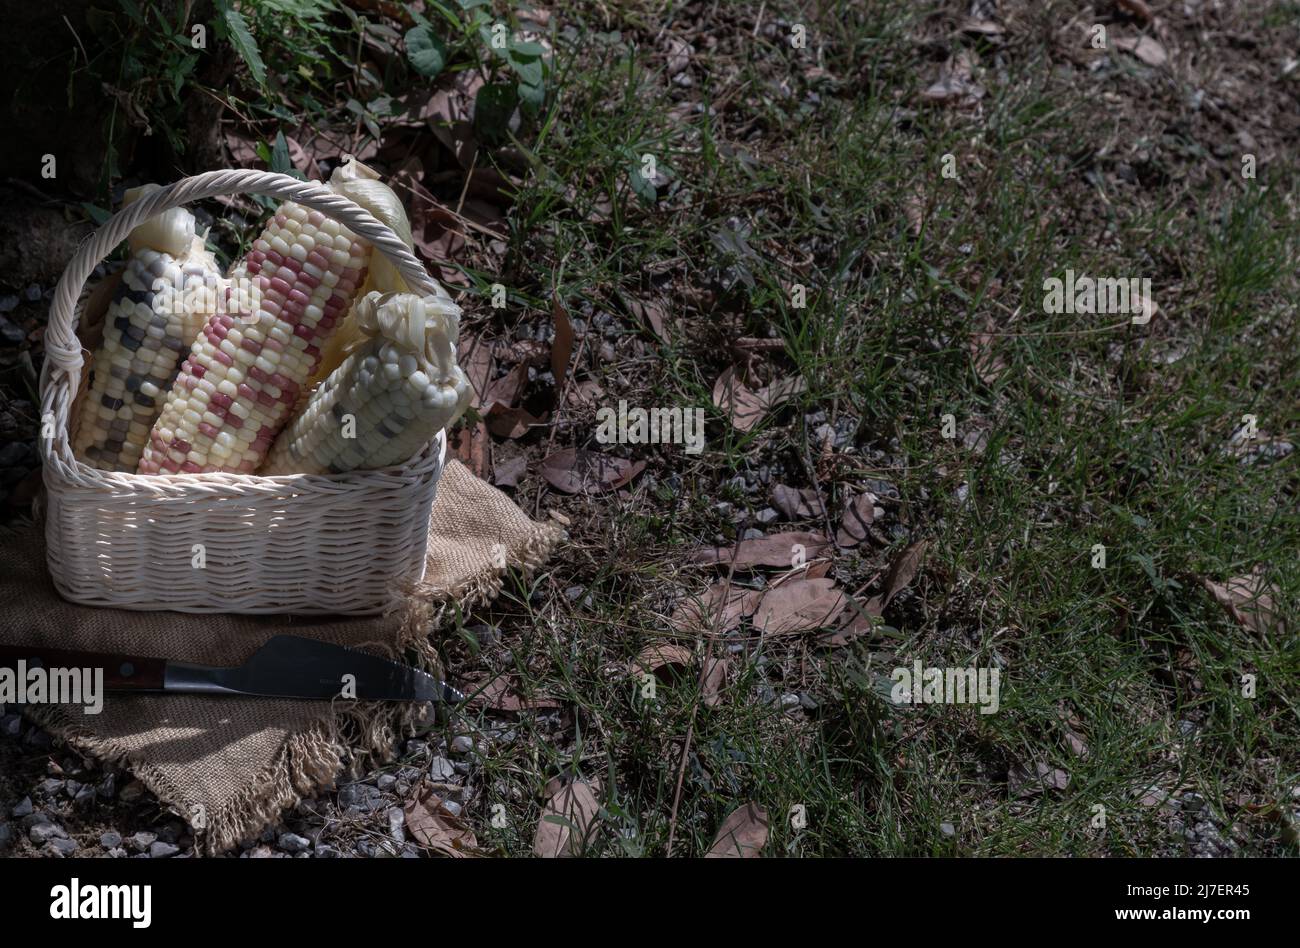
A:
(169, 287)
(389, 397)
(247, 366)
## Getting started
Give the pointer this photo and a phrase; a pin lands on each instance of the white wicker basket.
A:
(309, 544)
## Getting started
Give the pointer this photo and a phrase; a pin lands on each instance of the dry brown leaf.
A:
(1138, 8)
(511, 422)
(573, 470)
(506, 473)
(988, 362)
(858, 515)
(500, 694)
(859, 622)
(698, 613)
(562, 347)
(902, 571)
(982, 27)
(746, 407)
(1248, 600)
(743, 834)
(433, 826)
(1025, 781)
(1144, 48)
(567, 821)
(715, 679)
(584, 394)
(650, 313)
(796, 504)
(470, 443)
(665, 655)
(777, 549)
(474, 354)
(506, 390)
(800, 605)
(955, 85)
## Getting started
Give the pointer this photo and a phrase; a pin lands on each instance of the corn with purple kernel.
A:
(391, 395)
(171, 284)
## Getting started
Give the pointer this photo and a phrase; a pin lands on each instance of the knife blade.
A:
(287, 666)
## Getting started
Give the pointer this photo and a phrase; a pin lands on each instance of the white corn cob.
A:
(247, 366)
(171, 284)
(389, 397)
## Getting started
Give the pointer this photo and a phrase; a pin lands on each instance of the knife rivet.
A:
(127, 670)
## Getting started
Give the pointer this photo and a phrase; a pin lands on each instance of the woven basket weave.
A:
(309, 544)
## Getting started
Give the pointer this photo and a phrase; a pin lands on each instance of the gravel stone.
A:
(462, 744)
(293, 843)
(442, 769)
(141, 841)
(163, 850)
(63, 847)
(110, 840)
(42, 833)
(386, 781)
(767, 516)
(24, 808)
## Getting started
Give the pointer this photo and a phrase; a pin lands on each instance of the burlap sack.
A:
(231, 766)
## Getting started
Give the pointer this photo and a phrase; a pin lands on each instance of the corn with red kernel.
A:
(245, 370)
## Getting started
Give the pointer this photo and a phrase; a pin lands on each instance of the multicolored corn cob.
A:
(389, 397)
(171, 284)
(244, 372)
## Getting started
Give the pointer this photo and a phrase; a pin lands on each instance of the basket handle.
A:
(63, 349)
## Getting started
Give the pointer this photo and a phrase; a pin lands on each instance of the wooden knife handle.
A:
(121, 672)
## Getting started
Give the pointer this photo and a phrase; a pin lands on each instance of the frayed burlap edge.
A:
(423, 607)
(312, 759)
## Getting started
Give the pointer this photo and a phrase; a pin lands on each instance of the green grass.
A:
(1092, 437)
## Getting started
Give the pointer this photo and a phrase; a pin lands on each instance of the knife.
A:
(287, 666)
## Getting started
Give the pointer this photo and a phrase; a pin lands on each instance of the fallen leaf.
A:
(988, 362)
(1076, 744)
(1138, 8)
(432, 825)
(662, 655)
(470, 443)
(567, 821)
(982, 27)
(743, 834)
(649, 313)
(573, 470)
(796, 504)
(584, 394)
(511, 422)
(562, 348)
(1248, 600)
(1144, 48)
(777, 549)
(506, 473)
(474, 354)
(799, 606)
(505, 391)
(858, 515)
(500, 694)
(1024, 781)
(715, 679)
(698, 613)
(955, 85)
(746, 407)
(860, 621)
(902, 571)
